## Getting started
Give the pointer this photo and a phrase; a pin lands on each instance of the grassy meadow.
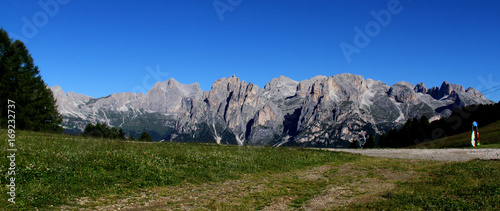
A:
(69, 172)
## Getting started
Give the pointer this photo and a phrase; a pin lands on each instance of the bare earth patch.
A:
(280, 203)
(337, 187)
(357, 187)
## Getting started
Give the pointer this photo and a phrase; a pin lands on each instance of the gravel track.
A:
(449, 155)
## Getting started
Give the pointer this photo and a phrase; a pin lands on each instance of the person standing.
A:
(475, 134)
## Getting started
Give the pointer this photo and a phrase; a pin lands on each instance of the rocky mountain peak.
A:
(279, 82)
(404, 84)
(172, 85)
(303, 87)
(321, 111)
(344, 87)
(58, 93)
(168, 96)
(281, 87)
(475, 93)
(402, 92)
(421, 88)
(349, 78)
(57, 90)
(447, 88)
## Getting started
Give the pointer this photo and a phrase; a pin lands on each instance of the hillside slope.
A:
(489, 137)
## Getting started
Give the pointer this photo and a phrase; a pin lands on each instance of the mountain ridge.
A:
(321, 111)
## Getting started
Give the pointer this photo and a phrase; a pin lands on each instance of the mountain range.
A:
(318, 112)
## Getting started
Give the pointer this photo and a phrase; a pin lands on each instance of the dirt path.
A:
(429, 154)
(331, 186)
(317, 188)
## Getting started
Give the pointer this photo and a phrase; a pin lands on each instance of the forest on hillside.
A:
(419, 130)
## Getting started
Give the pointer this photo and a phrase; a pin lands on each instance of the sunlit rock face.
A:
(318, 112)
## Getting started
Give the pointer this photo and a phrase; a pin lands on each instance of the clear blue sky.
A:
(98, 48)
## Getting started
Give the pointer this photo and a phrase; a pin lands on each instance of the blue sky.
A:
(98, 48)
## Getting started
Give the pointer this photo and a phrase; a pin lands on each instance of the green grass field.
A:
(489, 137)
(59, 171)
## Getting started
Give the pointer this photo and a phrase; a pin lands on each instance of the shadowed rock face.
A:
(321, 112)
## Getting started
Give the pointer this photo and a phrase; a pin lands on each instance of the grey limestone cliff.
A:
(320, 112)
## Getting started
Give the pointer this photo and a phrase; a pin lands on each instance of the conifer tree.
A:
(121, 134)
(370, 141)
(382, 141)
(145, 136)
(354, 144)
(21, 82)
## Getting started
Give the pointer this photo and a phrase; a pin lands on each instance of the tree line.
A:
(101, 130)
(419, 130)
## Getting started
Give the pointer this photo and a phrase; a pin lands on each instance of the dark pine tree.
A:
(392, 139)
(121, 134)
(114, 133)
(93, 131)
(101, 130)
(424, 132)
(382, 141)
(21, 82)
(145, 136)
(370, 142)
(354, 144)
